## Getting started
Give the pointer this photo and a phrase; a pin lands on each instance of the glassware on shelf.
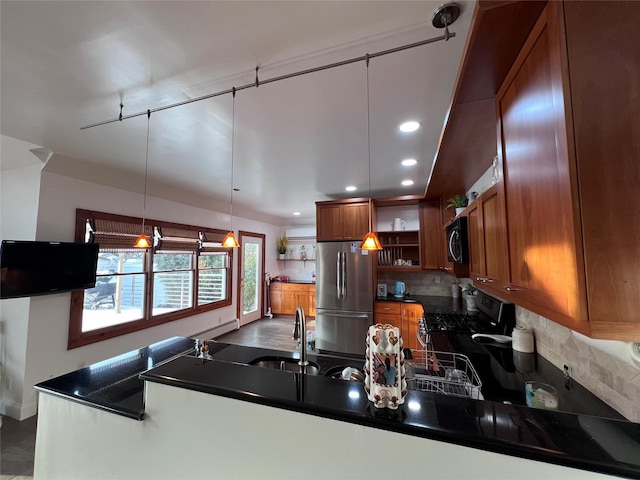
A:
(494, 171)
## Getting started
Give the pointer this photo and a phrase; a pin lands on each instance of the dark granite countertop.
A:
(580, 441)
(430, 303)
(114, 385)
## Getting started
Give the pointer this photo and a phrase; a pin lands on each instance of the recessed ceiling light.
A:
(408, 162)
(410, 126)
(296, 213)
(350, 188)
(407, 183)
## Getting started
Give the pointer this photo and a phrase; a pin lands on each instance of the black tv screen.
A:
(29, 268)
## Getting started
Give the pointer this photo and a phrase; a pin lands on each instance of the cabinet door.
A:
(312, 301)
(289, 302)
(410, 322)
(302, 300)
(354, 221)
(539, 191)
(476, 241)
(495, 237)
(277, 306)
(430, 235)
(488, 239)
(342, 221)
(294, 296)
(605, 73)
(328, 222)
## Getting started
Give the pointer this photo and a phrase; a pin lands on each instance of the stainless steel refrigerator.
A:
(344, 296)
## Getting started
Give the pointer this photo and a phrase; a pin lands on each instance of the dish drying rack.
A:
(447, 373)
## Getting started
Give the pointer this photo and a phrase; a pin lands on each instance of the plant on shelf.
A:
(459, 202)
(281, 246)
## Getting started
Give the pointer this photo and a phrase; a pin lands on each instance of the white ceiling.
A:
(65, 65)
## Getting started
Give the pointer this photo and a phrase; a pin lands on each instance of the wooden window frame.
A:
(78, 338)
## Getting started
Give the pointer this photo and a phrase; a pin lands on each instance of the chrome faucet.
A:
(301, 324)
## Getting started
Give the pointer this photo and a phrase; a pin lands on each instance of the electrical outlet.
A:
(437, 278)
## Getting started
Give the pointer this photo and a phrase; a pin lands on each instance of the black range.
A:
(502, 370)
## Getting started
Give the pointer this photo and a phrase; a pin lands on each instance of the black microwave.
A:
(457, 243)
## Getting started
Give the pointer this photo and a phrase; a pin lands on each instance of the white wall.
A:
(45, 320)
(18, 212)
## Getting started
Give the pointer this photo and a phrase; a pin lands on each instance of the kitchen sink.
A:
(284, 363)
(353, 374)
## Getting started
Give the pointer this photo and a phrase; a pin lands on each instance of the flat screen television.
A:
(29, 268)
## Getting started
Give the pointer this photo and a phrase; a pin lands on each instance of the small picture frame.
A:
(382, 290)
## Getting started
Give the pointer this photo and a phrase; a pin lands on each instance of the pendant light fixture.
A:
(371, 241)
(230, 239)
(143, 241)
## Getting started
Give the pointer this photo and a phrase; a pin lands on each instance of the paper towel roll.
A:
(522, 340)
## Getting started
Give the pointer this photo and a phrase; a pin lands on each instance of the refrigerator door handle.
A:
(338, 276)
(344, 274)
(345, 314)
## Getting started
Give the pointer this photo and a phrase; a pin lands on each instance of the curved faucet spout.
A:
(300, 332)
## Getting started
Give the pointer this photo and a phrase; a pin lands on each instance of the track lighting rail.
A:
(259, 82)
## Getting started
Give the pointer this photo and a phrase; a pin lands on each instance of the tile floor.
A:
(18, 439)
(17, 445)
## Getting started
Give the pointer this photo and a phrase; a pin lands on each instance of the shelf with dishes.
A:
(400, 250)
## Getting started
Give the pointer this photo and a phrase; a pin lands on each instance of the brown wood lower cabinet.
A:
(388, 312)
(405, 316)
(286, 297)
(410, 315)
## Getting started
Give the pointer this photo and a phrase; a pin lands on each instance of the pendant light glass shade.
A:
(230, 241)
(370, 241)
(143, 240)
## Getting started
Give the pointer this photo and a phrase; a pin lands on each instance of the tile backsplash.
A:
(604, 367)
(419, 283)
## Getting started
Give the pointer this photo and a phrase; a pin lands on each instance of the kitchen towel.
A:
(522, 340)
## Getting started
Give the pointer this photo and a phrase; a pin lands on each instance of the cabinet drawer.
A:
(388, 307)
(294, 287)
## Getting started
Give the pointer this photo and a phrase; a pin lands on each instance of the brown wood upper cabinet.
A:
(432, 241)
(568, 125)
(342, 220)
(488, 238)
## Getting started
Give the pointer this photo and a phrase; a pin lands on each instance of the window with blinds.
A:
(185, 273)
